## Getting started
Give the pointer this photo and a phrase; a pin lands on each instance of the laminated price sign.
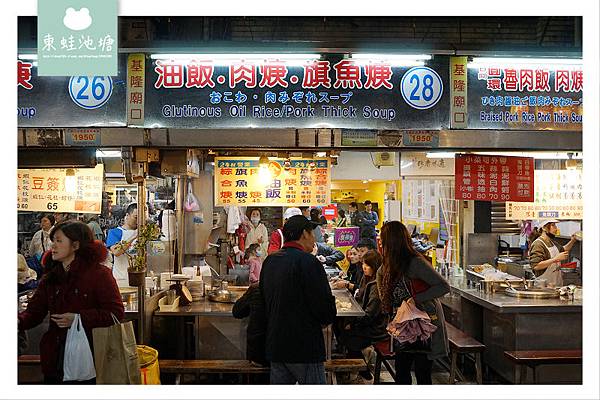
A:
(558, 195)
(73, 190)
(493, 178)
(242, 181)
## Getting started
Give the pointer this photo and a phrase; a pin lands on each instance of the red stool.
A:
(385, 354)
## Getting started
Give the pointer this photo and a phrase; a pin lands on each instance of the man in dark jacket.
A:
(367, 220)
(252, 305)
(298, 304)
(327, 255)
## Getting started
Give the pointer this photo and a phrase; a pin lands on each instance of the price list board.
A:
(558, 195)
(494, 178)
(242, 181)
(51, 190)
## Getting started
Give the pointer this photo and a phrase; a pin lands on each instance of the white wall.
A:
(355, 165)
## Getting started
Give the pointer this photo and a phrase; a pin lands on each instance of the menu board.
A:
(51, 190)
(558, 195)
(241, 181)
(493, 178)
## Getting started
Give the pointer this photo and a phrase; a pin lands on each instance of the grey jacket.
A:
(427, 300)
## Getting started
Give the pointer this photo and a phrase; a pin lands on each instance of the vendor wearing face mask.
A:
(258, 233)
(545, 255)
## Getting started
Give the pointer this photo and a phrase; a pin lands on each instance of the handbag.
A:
(116, 355)
(78, 362)
(417, 322)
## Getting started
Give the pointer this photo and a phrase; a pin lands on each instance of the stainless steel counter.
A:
(217, 335)
(502, 303)
(204, 307)
(504, 323)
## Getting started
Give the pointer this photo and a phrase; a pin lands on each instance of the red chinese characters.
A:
(170, 74)
(24, 74)
(347, 75)
(199, 75)
(494, 178)
(242, 73)
(378, 75)
(316, 74)
(272, 75)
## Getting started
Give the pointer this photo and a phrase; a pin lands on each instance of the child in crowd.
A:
(253, 260)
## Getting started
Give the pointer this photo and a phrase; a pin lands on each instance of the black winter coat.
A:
(298, 304)
(252, 305)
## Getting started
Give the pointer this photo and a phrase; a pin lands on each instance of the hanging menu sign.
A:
(241, 181)
(493, 178)
(558, 195)
(52, 190)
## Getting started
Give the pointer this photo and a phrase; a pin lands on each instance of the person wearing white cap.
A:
(545, 255)
(276, 239)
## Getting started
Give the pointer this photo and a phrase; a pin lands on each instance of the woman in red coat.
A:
(75, 283)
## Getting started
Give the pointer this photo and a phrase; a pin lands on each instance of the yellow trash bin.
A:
(149, 370)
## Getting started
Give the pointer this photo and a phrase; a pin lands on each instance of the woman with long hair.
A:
(75, 283)
(359, 333)
(406, 273)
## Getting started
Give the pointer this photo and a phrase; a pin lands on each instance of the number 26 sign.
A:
(421, 87)
(90, 92)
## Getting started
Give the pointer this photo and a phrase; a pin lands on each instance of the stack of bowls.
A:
(196, 287)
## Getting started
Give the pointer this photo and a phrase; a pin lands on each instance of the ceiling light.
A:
(108, 154)
(70, 181)
(397, 60)
(568, 63)
(297, 59)
(27, 56)
(440, 154)
(263, 161)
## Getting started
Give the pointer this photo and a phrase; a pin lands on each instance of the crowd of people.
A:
(288, 302)
(292, 301)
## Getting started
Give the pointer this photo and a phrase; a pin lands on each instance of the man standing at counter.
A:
(298, 303)
(119, 240)
(546, 255)
(367, 220)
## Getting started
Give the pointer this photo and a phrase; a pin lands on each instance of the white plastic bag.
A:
(78, 364)
(191, 202)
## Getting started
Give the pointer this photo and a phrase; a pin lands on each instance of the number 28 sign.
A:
(90, 92)
(421, 87)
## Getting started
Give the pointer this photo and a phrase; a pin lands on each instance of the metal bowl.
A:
(533, 293)
(221, 296)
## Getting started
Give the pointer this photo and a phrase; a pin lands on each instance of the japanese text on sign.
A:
(52, 190)
(558, 195)
(243, 182)
(494, 178)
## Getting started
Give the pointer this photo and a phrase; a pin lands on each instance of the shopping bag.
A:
(149, 370)
(78, 362)
(191, 202)
(116, 354)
